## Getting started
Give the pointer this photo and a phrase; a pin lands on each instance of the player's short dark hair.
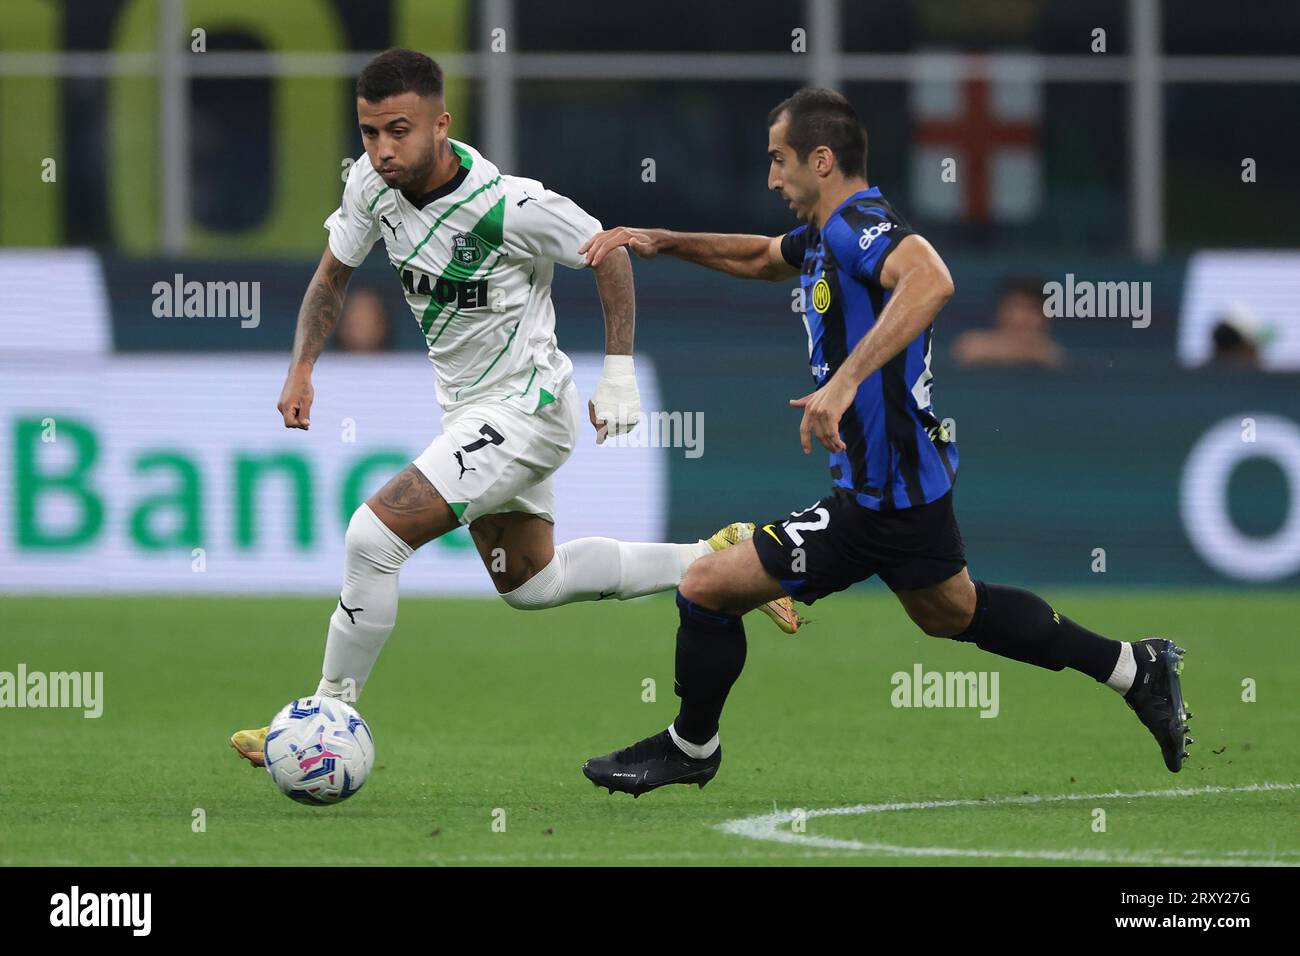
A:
(399, 71)
(820, 117)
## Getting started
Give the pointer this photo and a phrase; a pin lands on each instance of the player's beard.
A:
(799, 207)
(417, 176)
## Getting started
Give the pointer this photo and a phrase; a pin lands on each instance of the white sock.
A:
(592, 569)
(374, 555)
(651, 568)
(1122, 677)
(698, 751)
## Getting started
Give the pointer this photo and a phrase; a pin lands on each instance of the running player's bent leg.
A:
(385, 531)
(411, 507)
(531, 573)
(711, 648)
(944, 609)
(1019, 625)
(732, 581)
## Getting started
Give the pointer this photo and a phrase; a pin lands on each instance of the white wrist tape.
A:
(617, 400)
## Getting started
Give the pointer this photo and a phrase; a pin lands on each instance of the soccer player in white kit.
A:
(475, 251)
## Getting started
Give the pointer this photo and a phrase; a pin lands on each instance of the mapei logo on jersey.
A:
(466, 248)
(466, 295)
(871, 235)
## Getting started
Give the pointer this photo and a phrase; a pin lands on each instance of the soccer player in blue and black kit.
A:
(872, 288)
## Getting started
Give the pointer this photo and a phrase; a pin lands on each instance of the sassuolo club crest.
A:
(466, 248)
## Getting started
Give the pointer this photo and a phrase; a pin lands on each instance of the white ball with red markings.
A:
(319, 750)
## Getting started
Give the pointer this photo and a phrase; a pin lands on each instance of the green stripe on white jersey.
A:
(476, 267)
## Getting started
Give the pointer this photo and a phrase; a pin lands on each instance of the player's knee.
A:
(524, 598)
(370, 541)
(694, 584)
(521, 599)
(946, 623)
(508, 588)
(510, 579)
(705, 585)
(542, 590)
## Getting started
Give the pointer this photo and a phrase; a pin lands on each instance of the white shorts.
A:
(491, 458)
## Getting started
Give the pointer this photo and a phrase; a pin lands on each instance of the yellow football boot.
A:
(781, 611)
(251, 744)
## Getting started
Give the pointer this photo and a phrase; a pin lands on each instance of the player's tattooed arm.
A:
(320, 308)
(317, 317)
(615, 406)
(618, 299)
(747, 257)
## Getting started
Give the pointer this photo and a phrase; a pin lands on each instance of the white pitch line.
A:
(775, 828)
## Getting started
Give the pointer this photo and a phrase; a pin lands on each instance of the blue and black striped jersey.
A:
(899, 455)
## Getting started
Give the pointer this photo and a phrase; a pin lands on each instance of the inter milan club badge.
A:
(466, 248)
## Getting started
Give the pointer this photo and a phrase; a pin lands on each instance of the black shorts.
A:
(837, 542)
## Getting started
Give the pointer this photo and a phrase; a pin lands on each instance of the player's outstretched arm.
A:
(615, 408)
(316, 320)
(921, 285)
(747, 257)
(618, 299)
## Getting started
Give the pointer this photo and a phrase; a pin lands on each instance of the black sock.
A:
(1018, 624)
(710, 656)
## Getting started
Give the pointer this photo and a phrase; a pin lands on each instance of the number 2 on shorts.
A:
(793, 528)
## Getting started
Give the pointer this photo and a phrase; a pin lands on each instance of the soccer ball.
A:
(319, 750)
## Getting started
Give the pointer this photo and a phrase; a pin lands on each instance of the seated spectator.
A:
(1020, 333)
(364, 325)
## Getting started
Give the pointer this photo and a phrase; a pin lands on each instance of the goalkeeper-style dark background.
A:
(1112, 141)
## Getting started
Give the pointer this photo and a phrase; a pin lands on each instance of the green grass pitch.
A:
(477, 708)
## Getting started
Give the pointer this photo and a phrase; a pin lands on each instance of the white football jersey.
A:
(476, 264)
